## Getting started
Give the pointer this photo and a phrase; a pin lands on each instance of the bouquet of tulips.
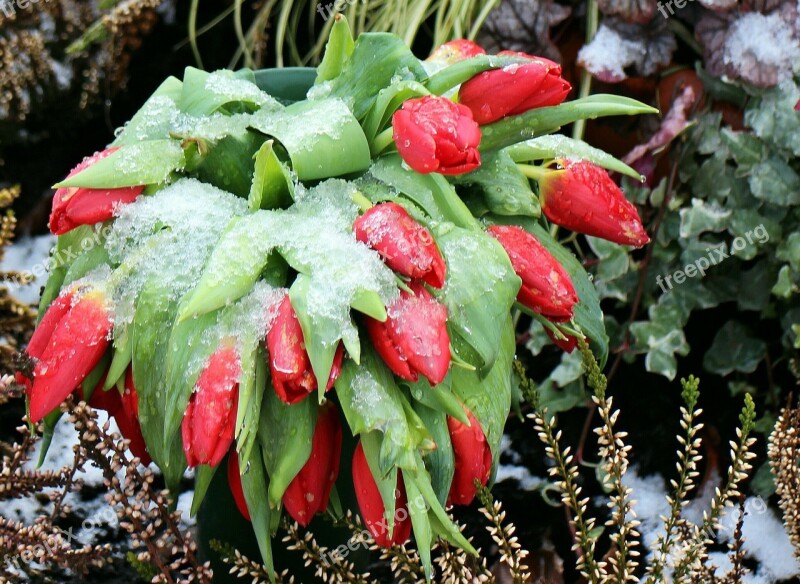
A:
(238, 276)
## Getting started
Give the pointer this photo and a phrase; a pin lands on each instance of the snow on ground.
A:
(28, 255)
(765, 538)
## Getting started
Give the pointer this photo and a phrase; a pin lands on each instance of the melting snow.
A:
(766, 40)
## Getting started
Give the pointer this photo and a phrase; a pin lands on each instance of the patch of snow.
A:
(609, 53)
(526, 480)
(185, 508)
(765, 39)
(766, 540)
(28, 255)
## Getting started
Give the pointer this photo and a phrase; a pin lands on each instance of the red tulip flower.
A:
(546, 286)
(473, 459)
(208, 425)
(406, 246)
(514, 89)
(455, 51)
(292, 375)
(235, 483)
(583, 198)
(127, 417)
(433, 134)
(414, 340)
(69, 344)
(75, 206)
(310, 490)
(371, 504)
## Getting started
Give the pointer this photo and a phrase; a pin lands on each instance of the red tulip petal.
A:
(384, 344)
(473, 459)
(41, 336)
(417, 326)
(78, 342)
(371, 504)
(235, 482)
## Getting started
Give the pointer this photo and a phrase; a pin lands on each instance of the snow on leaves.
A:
(735, 44)
(619, 45)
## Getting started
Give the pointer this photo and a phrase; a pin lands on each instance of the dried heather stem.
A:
(696, 549)
(614, 454)
(568, 476)
(511, 551)
(784, 455)
(329, 567)
(688, 458)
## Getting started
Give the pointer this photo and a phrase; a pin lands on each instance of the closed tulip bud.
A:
(568, 345)
(414, 340)
(406, 246)
(434, 134)
(514, 89)
(292, 376)
(546, 286)
(310, 490)
(235, 483)
(455, 51)
(473, 459)
(210, 419)
(127, 417)
(371, 505)
(583, 198)
(77, 206)
(79, 338)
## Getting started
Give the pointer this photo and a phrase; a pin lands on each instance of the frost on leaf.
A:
(619, 45)
(524, 25)
(630, 10)
(736, 45)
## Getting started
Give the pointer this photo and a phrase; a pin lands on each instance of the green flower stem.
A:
(382, 141)
(546, 120)
(458, 361)
(535, 172)
(441, 82)
(363, 202)
(586, 77)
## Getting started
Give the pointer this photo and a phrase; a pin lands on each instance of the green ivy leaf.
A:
(734, 349)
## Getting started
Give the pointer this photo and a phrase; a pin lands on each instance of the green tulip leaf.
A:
(480, 290)
(205, 93)
(141, 163)
(272, 186)
(155, 310)
(420, 522)
(322, 138)
(440, 462)
(375, 63)
(500, 187)
(321, 342)
(203, 476)
(558, 146)
(489, 399)
(371, 401)
(254, 485)
(339, 48)
(545, 120)
(285, 433)
(156, 118)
